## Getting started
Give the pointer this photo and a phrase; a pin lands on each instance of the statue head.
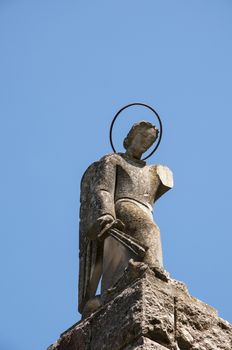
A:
(140, 138)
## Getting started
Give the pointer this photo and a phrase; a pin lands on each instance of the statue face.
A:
(142, 141)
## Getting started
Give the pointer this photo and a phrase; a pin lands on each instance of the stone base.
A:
(145, 343)
(144, 311)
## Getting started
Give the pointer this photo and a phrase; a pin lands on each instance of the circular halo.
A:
(137, 104)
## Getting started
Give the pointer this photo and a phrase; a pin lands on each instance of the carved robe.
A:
(125, 189)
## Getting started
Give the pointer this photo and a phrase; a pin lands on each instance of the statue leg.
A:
(139, 225)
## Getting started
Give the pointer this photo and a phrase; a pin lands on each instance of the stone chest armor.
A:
(139, 182)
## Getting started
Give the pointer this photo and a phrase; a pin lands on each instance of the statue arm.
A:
(104, 196)
(166, 180)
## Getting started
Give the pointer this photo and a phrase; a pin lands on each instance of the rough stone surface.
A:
(145, 343)
(140, 313)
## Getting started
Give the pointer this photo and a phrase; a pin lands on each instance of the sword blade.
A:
(132, 244)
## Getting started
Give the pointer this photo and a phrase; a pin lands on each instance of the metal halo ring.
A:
(137, 104)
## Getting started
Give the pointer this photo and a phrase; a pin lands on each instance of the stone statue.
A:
(116, 221)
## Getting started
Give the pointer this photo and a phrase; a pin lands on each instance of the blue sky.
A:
(66, 67)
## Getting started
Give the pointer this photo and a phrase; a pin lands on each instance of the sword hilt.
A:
(118, 224)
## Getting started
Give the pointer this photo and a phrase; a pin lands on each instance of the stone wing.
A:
(90, 251)
(97, 199)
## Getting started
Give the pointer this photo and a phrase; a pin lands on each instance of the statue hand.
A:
(104, 220)
(119, 224)
(107, 222)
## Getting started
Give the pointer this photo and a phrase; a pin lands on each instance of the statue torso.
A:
(135, 180)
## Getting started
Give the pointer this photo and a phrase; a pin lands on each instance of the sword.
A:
(127, 241)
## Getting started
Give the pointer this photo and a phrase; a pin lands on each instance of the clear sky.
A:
(66, 67)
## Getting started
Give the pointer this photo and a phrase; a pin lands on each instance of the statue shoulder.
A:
(109, 161)
(165, 177)
(165, 174)
(89, 171)
(114, 158)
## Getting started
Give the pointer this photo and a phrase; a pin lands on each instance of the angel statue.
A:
(116, 221)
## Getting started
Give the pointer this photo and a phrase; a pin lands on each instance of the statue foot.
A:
(160, 273)
(136, 267)
(91, 306)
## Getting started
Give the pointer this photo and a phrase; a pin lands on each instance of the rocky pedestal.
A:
(148, 310)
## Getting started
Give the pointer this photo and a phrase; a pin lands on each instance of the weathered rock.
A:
(145, 344)
(145, 312)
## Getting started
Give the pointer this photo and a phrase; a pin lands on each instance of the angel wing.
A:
(97, 199)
